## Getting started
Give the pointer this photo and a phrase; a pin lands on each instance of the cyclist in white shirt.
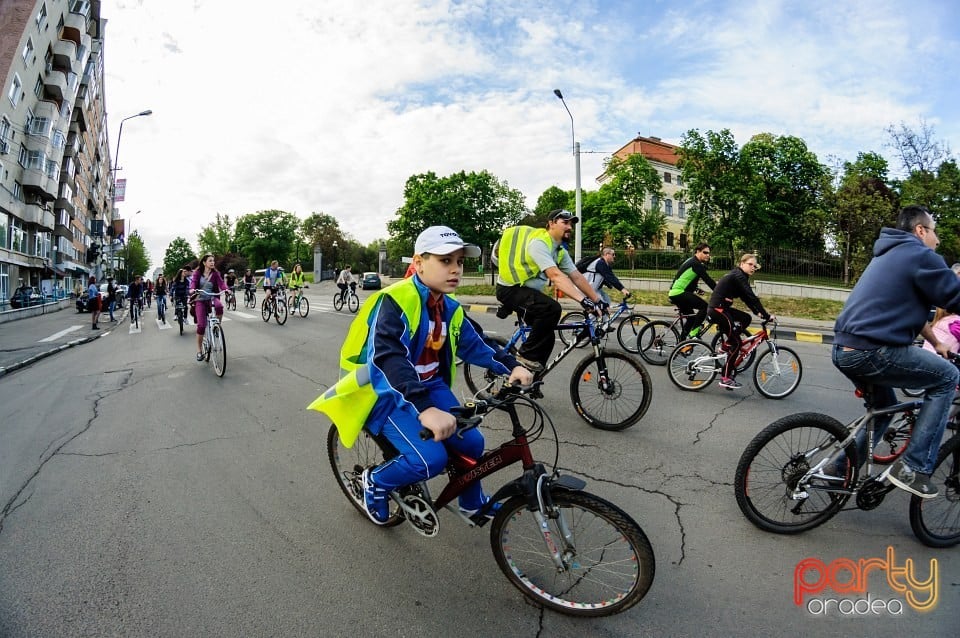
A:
(345, 279)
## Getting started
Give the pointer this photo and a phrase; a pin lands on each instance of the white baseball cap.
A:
(443, 240)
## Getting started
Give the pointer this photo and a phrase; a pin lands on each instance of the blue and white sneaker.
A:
(376, 500)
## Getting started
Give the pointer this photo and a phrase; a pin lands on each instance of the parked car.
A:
(25, 296)
(370, 281)
(121, 294)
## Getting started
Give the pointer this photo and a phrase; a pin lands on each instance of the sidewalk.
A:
(789, 328)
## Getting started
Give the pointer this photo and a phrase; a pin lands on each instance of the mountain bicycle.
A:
(693, 364)
(657, 339)
(802, 469)
(274, 306)
(610, 389)
(214, 342)
(563, 548)
(623, 308)
(249, 296)
(350, 298)
(298, 303)
(230, 301)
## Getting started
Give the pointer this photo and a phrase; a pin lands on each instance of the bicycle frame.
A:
(523, 330)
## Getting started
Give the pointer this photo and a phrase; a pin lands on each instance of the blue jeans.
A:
(891, 367)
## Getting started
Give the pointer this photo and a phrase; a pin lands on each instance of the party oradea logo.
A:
(865, 587)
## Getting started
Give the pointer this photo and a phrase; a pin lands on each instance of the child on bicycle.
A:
(400, 360)
(732, 323)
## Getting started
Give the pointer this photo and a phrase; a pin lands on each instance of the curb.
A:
(5, 370)
(788, 335)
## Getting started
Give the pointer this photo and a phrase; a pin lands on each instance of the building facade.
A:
(55, 177)
(663, 157)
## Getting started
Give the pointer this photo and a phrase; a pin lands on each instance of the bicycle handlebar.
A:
(470, 414)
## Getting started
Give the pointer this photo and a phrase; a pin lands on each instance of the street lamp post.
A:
(113, 190)
(576, 162)
(334, 260)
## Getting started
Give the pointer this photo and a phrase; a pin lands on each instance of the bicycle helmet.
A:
(230, 271)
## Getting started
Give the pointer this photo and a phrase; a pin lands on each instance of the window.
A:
(38, 87)
(666, 177)
(52, 169)
(16, 88)
(42, 17)
(36, 160)
(670, 239)
(681, 210)
(22, 157)
(18, 236)
(4, 135)
(80, 6)
(655, 203)
(27, 54)
(4, 273)
(683, 241)
(679, 180)
(668, 208)
(17, 191)
(39, 126)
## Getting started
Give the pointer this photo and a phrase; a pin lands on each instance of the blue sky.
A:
(330, 106)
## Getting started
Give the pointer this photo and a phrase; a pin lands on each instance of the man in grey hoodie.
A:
(874, 333)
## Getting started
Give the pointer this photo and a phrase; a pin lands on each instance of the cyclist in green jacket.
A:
(683, 292)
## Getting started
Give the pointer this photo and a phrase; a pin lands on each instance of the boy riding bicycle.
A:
(400, 360)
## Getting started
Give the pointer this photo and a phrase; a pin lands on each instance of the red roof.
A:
(653, 148)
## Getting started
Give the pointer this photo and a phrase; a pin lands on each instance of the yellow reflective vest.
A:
(350, 401)
(514, 263)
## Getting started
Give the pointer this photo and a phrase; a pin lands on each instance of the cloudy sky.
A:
(322, 106)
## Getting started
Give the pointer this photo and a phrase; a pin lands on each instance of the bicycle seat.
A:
(503, 312)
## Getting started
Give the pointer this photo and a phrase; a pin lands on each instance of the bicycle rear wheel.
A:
(656, 341)
(353, 303)
(614, 402)
(232, 302)
(337, 302)
(692, 365)
(936, 521)
(484, 383)
(608, 563)
(348, 465)
(767, 477)
(777, 373)
(894, 441)
(628, 330)
(180, 320)
(566, 336)
(218, 350)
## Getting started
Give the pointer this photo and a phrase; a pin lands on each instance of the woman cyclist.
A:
(296, 281)
(160, 289)
(206, 278)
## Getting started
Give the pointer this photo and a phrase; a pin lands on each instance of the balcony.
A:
(36, 182)
(62, 231)
(35, 214)
(79, 123)
(55, 86)
(39, 143)
(74, 27)
(47, 220)
(65, 55)
(72, 146)
(66, 204)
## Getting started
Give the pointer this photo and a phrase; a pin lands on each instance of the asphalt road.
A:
(140, 495)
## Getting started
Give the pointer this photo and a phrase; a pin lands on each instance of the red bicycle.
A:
(564, 548)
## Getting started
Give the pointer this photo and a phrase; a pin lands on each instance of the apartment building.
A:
(663, 157)
(55, 178)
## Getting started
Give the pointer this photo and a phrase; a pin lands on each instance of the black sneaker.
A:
(912, 481)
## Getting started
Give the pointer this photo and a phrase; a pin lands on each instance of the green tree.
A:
(861, 206)
(476, 205)
(320, 229)
(622, 212)
(551, 199)
(217, 236)
(266, 235)
(136, 260)
(179, 253)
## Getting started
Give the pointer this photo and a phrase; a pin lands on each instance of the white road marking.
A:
(56, 336)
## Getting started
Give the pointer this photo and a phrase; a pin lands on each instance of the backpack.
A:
(584, 264)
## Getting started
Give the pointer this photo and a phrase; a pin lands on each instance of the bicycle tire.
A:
(894, 441)
(777, 458)
(353, 303)
(251, 300)
(609, 569)
(566, 336)
(627, 380)
(161, 312)
(690, 365)
(656, 341)
(777, 376)
(303, 307)
(484, 383)
(135, 315)
(349, 463)
(218, 350)
(747, 361)
(337, 302)
(280, 310)
(265, 309)
(232, 303)
(936, 521)
(628, 330)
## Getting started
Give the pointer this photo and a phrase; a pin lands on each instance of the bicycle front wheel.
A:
(353, 303)
(629, 329)
(337, 302)
(936, 521)
(303, 307)
(484, 383)
(280, 311)
(567, 336)
(767, 482)
(656, 341)
(348, 465)
(615, 400)
(692, 365)
(218, 350)
(777, 373)
(607, 561)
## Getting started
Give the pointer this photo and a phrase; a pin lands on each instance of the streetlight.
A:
(113, 190)
(576, 162)
(334, 261)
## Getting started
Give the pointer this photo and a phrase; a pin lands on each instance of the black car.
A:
(370, 281)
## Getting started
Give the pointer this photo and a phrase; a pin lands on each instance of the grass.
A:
(798, 307)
